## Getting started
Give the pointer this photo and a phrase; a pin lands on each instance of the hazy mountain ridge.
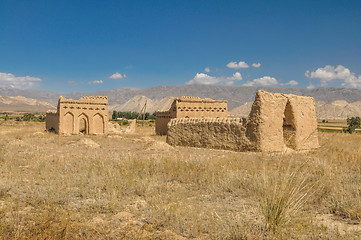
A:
(336, 110)
(24, 104)
(236, 95)
(158, 97)
(42, 95)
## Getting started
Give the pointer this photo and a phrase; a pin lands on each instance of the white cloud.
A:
(207, 69)
(290, 83)
(330, 73)
(311, 86)
(263, 81)
(256, 65)
(96, 82)
(8, 79)
(236, 76)
(236, 65)
(117, 76)
(202, 78)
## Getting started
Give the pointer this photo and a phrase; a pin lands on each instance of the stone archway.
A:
(289, 127)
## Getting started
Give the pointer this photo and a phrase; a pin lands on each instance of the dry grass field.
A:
(138, 187)
(333, 125)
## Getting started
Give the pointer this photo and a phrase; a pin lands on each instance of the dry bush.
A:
(116, 187)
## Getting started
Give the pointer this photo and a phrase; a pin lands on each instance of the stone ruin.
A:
(190, 107)
(115, 128)
(277, 122)
(88, 115)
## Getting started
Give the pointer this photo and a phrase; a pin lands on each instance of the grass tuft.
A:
(283, 193)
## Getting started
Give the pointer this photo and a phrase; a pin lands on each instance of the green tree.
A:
(152, 117)
(352, 124)
(114, 116)
(28, 117)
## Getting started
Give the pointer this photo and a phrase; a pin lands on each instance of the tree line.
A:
(132, 115)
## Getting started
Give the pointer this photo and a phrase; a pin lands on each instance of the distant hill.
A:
(137, 103)
(339, 109)
(23, 104)
(42, 95)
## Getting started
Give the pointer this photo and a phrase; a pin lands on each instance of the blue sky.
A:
(74, 45)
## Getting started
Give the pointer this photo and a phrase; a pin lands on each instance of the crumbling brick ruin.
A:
(88, 115)
(276, 122)
(190, 107)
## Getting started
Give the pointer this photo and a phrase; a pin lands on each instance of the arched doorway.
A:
(83, 124)
(289, 129)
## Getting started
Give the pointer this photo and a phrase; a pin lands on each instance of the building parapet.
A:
(198, 99)
(162, 112)
(101, 100)
(51, 112)
(176, 121)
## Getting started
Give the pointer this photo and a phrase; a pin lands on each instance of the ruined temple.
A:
(88, 115)
(277, 122)
(190, 107)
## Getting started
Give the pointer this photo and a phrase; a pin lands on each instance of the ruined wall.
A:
(190, 107)
(161, 122)
(52, 121)
(280, 120)
(215, 133)
(276, 122)
(88, 115)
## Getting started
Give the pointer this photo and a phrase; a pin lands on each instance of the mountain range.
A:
(333, 103)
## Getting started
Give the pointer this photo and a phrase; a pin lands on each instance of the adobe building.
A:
(190, 107)
(88, 115)
(277, 122)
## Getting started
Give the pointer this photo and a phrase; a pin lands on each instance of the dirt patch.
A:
(342, 227)
(159, 146)
(89, 143)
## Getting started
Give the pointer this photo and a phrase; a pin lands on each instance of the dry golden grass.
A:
(138, 187)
